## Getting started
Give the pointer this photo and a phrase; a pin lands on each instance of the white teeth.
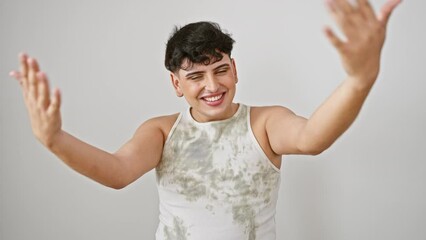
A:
(212, 99)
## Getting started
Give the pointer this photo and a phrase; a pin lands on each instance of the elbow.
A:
(117, 185)
(122, 182)
(315, 152)
(312, 149)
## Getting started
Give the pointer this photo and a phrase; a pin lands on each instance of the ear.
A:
(234, 66)
(176, 84)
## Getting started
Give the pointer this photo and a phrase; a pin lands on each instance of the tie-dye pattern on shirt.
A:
(215, 182)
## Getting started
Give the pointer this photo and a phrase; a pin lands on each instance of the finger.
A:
(55, 104)
(43, 91)
(17, 76)
(366, 9)
(337, 43)
(332, 7)
(387, 10)
(32, 77)
(343, 6)
(23, 57)
(33, 65)
(23, 60)
(348, 22)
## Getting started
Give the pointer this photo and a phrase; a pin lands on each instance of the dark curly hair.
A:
(199, 42)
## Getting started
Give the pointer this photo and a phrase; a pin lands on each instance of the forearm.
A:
(88, 160)
(360, 52)
(334, 116)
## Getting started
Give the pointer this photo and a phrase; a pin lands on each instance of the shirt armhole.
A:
(257, 144)
(172, 130)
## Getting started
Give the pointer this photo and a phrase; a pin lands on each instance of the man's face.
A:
(208, 89)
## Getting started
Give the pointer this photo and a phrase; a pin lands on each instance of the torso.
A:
(258, 118)
(215, 180)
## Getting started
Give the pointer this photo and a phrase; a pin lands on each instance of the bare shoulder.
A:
(281, 126)
(264, 113)
(143, 151)
(275, 127)
(259, 117)
(162, 124)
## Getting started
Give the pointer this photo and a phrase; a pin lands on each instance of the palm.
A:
(43, 109)
(364, 32)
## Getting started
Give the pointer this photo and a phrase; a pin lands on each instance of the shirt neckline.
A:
(236, 114)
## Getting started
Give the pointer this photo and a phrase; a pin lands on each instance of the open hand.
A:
(365, 34)
(43, 109)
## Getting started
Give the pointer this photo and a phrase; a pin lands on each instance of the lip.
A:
(212, 95)
(214, 103)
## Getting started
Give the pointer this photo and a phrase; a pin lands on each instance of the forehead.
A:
(188, 67)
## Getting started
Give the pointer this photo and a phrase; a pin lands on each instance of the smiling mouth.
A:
(214, 98)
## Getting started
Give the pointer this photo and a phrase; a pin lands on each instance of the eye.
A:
(195, 77)
(222, 71)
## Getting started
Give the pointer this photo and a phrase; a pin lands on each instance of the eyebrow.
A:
(199, 72)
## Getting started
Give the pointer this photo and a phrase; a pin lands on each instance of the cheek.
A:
(193, 89)
(230, 82)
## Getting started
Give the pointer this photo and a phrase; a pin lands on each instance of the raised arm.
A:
(141, 154)
(360, 55)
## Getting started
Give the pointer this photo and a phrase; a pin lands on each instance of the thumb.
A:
(386, 11)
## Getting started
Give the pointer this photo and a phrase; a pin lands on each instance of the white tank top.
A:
(215, 182)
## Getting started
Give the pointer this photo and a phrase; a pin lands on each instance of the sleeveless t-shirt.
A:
(215, 182)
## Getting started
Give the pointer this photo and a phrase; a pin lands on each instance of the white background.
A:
(107, 59)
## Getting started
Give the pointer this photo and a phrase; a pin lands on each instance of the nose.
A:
(212, 84)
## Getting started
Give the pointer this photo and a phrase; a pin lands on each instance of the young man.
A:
(218, 163)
